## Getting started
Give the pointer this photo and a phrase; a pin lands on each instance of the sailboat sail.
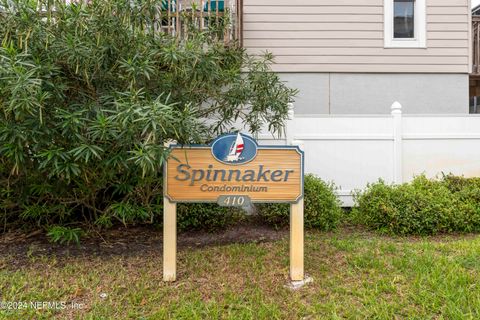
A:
(236, 149)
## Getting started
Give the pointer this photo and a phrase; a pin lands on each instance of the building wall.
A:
(347, 36)
(364, 93)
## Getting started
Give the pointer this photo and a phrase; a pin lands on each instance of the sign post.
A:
(234, 171)
(296, 241)
(169, 240)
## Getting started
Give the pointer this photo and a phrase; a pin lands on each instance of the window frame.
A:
(420, 27)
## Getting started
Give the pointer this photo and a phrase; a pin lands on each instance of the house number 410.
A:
(233, 201)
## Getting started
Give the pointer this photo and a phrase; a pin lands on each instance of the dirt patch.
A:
(125, 242)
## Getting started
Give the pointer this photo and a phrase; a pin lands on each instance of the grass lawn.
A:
(357, 275)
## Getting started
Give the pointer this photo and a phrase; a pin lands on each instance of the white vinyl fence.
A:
(354, 150)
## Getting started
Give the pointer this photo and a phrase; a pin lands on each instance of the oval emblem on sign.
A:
(234, 149)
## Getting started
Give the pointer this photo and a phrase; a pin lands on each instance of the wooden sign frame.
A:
(296, 220)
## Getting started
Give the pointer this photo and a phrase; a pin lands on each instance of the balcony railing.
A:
(173, 16)
(204, 14)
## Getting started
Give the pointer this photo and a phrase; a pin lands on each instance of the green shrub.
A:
(467, 191)
(274, 214)
(321, 207)
(206, 216)
(423, 206)
(89, 94)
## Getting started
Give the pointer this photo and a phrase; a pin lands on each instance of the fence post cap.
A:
(396, 107)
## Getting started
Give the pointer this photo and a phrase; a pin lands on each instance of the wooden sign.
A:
(234, 171)
(194, 174)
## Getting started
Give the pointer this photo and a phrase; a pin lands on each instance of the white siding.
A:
(347, 36)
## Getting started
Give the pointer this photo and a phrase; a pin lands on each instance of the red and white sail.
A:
(236, 149)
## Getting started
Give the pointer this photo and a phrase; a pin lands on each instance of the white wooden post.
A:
(169, 240)
(169, 236)
(297, 236)
(397, 142)
(289, 126)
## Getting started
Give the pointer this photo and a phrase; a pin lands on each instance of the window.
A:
(403, 19)
(405, 24)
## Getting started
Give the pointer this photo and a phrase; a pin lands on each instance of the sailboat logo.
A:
(234, 148)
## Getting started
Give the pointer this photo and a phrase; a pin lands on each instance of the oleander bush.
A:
(321, 207)
(421, 207)
(61, 234)
(89, 94)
